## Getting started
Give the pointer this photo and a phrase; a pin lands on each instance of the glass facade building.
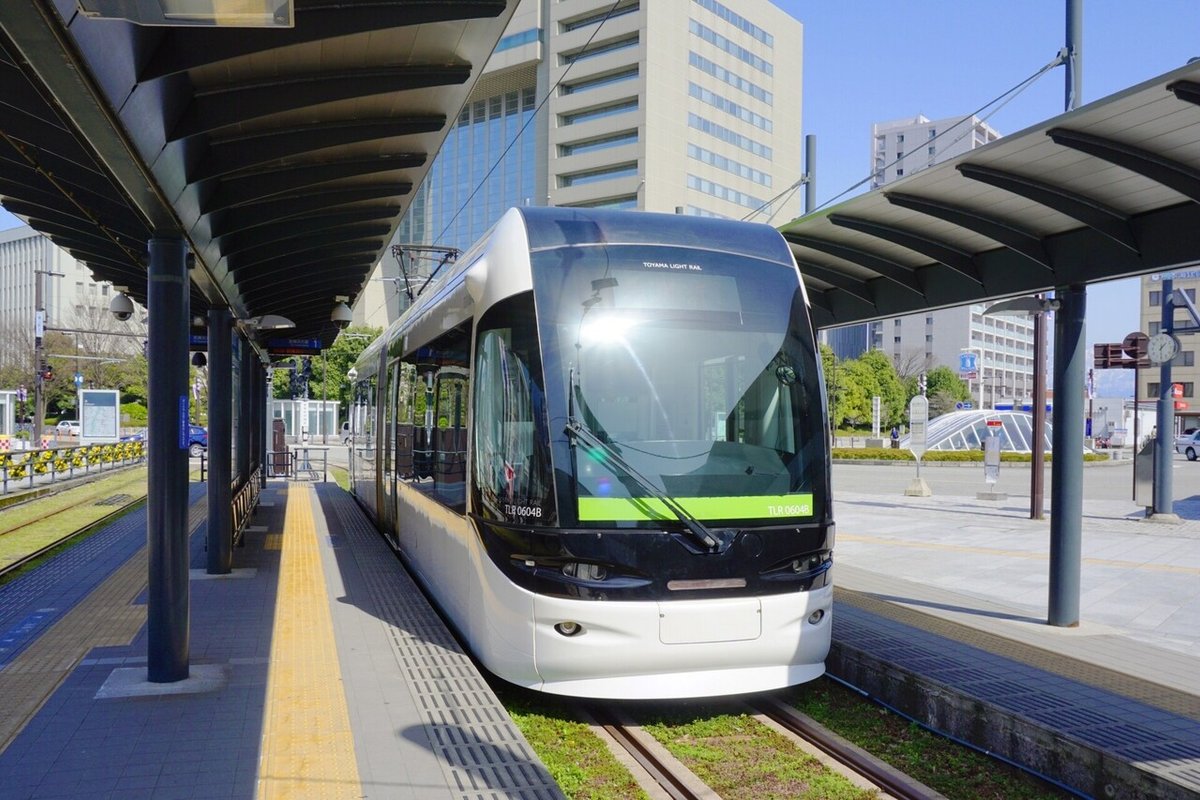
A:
(575, 109)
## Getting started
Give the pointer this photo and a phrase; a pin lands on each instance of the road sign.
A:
(78, 380)
(1180, 405)
(967, 365)
(995, 423)
(1176, 390)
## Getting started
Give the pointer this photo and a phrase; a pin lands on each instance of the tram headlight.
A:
(816, 616)
(569, 628)
(586, 572)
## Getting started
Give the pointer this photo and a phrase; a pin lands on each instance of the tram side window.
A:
(389, 410)
(431, 430)
(450, 470)
(405, 404)
(369, 416)
(512, 478)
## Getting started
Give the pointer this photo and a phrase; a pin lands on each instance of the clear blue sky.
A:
(868, 61)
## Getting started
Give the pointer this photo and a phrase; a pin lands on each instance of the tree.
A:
(944, 389)
(328, 371)
(833, 391)
(888, 387)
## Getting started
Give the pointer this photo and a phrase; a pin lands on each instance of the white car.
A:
(68, 427)
(1188, 444)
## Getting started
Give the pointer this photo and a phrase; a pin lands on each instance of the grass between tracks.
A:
(581, 765)
(957, 772)
(78, 508)
(742, 759)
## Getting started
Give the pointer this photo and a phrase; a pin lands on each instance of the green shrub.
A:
(963, 456)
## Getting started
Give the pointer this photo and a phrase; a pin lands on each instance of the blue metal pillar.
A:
(220, 433)
(264, 398)
(246, 371)
(1066, 471)
(1164, 440)
(167, 450)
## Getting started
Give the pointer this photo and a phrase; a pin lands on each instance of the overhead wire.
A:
(549, 93)
(1006, 97)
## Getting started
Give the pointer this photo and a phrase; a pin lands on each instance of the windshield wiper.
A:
(576, 430)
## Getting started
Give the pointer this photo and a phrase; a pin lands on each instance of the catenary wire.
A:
(1006, 97)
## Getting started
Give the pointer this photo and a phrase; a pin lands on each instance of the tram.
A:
(599, 443)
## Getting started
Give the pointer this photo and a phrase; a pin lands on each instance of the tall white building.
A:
(904, 146)
(1002, 345)
(688, 106)
(71, 296)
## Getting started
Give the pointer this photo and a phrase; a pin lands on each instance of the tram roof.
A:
(285, 157)
(1111, 189)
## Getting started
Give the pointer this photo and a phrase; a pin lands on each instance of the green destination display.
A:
(649, 508)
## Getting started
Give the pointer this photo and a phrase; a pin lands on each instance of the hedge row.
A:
(888, 454)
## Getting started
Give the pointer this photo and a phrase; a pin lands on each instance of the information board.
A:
(99, 415)
(918, 422)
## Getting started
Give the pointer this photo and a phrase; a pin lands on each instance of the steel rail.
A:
(675, 786)
(889, 779)
(107, 518)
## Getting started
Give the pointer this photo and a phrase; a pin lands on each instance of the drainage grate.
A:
(115, 500)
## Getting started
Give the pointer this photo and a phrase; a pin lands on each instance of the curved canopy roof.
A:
(285, 157)
(966, 430)
(1111, 189)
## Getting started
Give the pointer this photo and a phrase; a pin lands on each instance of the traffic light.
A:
(48, 373)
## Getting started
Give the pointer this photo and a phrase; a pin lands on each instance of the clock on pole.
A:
(1162, 347)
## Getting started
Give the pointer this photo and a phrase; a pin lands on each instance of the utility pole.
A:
(39, 355)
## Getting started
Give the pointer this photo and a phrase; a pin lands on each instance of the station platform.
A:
(941, 609)
(318, 669)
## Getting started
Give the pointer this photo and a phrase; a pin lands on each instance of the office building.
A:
(1184, 370)
(1003, 346)
(677, 106)
(71, 297)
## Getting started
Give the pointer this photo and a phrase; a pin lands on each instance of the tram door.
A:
(387, 465)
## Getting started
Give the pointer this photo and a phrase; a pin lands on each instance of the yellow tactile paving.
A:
(307, 747)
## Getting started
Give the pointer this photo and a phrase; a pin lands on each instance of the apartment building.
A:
(1002, 346)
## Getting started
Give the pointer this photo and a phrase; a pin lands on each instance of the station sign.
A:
(198, 343)
(918, 422)
(294, 347)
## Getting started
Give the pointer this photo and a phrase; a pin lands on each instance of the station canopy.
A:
(285, 157)
(1109, 190)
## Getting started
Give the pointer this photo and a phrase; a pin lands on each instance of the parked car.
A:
(1188, 444)
(197, 441)
(68, 427)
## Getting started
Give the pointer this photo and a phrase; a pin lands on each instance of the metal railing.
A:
(299, 463)
(245, 500)
(27, 468)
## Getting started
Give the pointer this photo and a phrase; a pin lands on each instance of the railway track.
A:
(678, 783)
(41, 551)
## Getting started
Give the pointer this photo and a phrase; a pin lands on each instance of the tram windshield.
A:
(689, 370)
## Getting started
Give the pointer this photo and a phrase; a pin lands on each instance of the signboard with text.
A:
(99, 416)
(918, 423)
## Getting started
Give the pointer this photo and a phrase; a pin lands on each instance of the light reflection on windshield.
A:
(693, 373)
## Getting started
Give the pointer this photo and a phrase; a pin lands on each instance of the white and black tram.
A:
(599, 443)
